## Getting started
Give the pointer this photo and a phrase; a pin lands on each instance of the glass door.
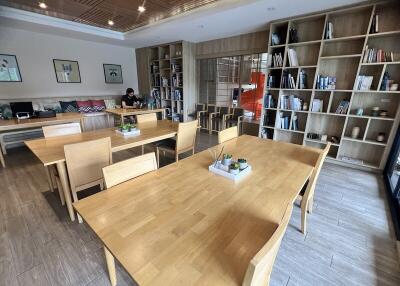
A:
(392, 175)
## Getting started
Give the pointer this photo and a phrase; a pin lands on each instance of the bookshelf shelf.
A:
(340, 60)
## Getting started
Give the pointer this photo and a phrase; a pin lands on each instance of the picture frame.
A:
(9, 69)
(113, 73)
(67, 71)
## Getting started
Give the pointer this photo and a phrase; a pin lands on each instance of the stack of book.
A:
(325, 82)
(317, 105)
(302, 79)
(284, 121)
(377, 56)
(328, 31)
(375, 24)
(176, 80)
(343, 107)
(364, 82)
(295, 123)
(288, 80)
(269, 101)
(277, 60)
(177, 95)
(291, 102)
(176, 68)
(388, 83)
(292, 56)
(271, 81)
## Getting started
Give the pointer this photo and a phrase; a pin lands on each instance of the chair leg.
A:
(176, 157)
(102, 186)
(75, 197)
(49, 179)
(158, 157)
(142, 149)
(310, 205)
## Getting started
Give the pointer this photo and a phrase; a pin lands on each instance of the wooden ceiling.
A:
(124, 13)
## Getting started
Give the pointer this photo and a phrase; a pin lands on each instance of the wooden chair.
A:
(126, 170)
(236, 118)
(146, 118)
(227, 134)
(219, 118)
(204, 116)
(55, 131)
(199, 107)
(3, 162)
(143, 118)
(185, 141)
(85, 162)
(307, 196)
(260, 267)
(61, 129)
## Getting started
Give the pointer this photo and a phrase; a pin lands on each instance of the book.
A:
(372, 55)
(375, 24)
(292, 55)
(302, 79)
(342, 107)
(317, 105)
(288, 80)
(364, 82)
(269, 101)
(291, 102)
(328, 31)
(325, 82)
(295, 123)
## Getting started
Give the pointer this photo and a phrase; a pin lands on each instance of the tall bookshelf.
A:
(342, 57)
(172, 77)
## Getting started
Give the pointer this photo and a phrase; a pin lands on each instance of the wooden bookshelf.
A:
(342, 57)
(172, 77)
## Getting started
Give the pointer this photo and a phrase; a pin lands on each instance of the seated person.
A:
(130, 99)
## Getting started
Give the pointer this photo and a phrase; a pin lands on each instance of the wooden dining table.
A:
(183, 225)
(50, 151)
(130, 111)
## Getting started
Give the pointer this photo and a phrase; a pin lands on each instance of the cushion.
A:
(5, 111)
(84, 106)
(110, 103)
(52, 106)
(68, 106)
(98, 105)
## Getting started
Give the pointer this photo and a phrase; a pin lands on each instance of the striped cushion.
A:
(98, 105)
(68, 106)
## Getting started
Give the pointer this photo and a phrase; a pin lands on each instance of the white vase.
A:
(234, 171)
(355, 132)
(242, 165)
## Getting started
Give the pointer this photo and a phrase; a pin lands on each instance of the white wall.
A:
(35, 53)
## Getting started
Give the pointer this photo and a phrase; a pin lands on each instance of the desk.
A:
(124, 112)
(14, 124)
(50, 151)
(182, 225)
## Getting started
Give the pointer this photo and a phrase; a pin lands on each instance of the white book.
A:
(365, 58)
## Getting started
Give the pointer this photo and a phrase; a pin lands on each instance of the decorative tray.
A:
(222, 170)
(133, 132)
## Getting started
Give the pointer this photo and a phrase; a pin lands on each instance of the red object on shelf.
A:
(251, 100)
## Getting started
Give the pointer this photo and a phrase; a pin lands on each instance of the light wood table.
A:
(124, 112)
(182, 225)
(50, 151)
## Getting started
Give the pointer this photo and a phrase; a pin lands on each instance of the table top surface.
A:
(38, 122)
(183, 225)
(51, 150)
(133, 111)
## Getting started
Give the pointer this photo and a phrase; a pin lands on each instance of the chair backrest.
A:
(238, 112)
(186, 136)
(312, 182)
(126, 170)
(61, 129)
(227, 134)
(149, 117)
(260, 267)
(224, 110)
(211, 108)
(86, 160)
(200, 106)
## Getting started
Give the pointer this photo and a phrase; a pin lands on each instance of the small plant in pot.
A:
(227, 159)
(242, 163)
(234, 168)
(125, 127)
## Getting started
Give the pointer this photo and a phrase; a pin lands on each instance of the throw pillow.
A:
(84, 106)
(53, 106)
(98, 105)
(69, 106)
(110, 103)
(5, 111)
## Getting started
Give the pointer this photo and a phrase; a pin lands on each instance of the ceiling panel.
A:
(124, 13)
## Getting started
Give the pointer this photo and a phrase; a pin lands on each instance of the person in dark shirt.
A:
(130, 99)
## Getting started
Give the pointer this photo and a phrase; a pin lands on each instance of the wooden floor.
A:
(349, 241)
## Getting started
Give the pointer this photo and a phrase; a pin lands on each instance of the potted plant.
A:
(234, 168)
(242, 163)
(125, 127)
(227, 159)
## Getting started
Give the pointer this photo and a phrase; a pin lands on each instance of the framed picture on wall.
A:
(9, 69)
(112, 73)
(67, 71)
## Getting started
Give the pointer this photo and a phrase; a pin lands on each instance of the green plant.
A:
(241, 160)
(234, 166)
(227, 156)
(126, 126)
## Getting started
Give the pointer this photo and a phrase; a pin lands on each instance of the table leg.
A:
(62, 172)
(111, 266)
(3, 163)
(49, 180)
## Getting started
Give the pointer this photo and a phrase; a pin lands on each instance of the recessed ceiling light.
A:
(42, 5)
(141, 9)
(111, 22)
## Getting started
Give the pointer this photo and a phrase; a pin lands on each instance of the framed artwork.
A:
(9, 70)
(112, 73)
(67, 71)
